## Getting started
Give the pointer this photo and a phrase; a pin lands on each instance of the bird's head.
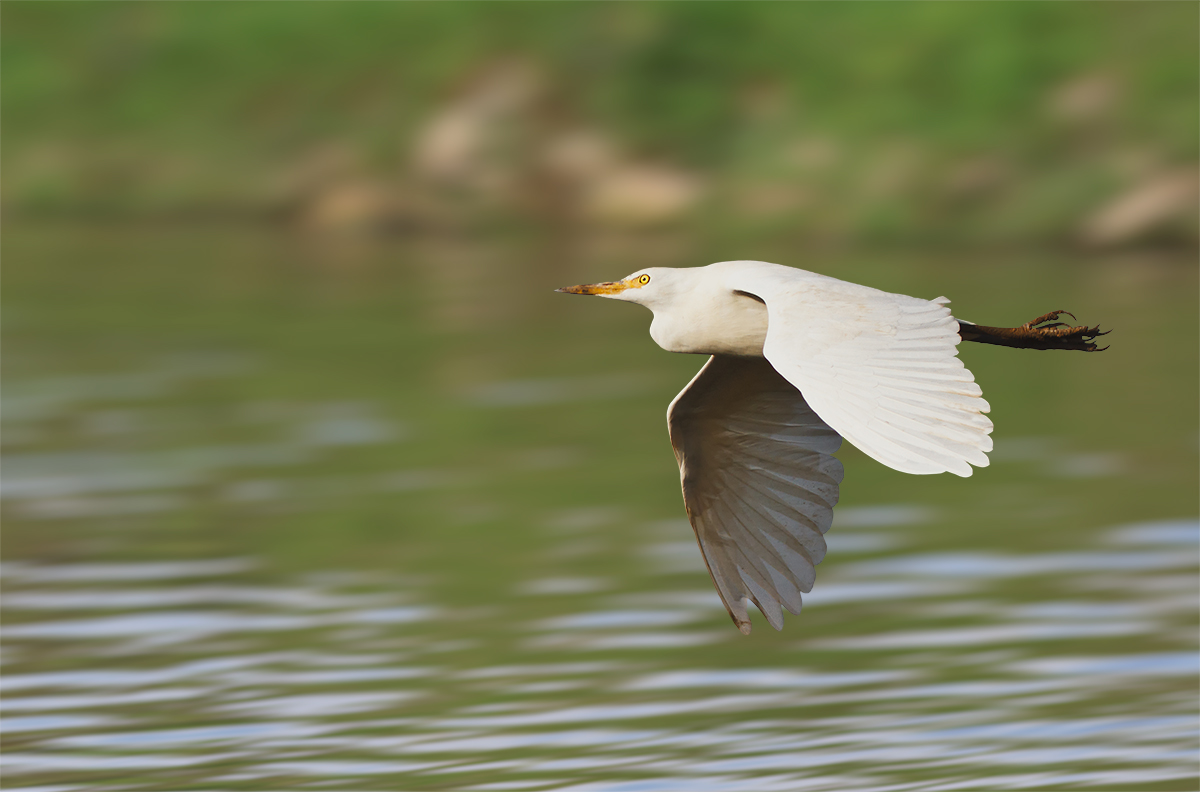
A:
(646, 287)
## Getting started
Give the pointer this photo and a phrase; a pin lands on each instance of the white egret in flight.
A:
(799, 361)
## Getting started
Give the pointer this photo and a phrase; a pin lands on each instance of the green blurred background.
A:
(277, 287)
(818, 123)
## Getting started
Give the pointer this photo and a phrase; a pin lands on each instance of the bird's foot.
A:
(1062, 335)
(1045, 332)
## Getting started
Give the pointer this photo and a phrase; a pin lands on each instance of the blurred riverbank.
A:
(811, 125)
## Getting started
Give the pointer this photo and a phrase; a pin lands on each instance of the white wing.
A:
(879, 368)
(759, 483)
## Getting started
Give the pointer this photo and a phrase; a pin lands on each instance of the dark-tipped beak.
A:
(612, 287)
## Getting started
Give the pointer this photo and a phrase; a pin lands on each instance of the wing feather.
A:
(759, 482)
(794, 528)
(758, 554)
(881, 369)
(799, 525)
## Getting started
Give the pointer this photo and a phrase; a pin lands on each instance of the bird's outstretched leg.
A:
(1045, 332)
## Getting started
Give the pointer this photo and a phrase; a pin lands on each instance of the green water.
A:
(290, 513)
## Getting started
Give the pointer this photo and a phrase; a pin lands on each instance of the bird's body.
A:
(798, 361)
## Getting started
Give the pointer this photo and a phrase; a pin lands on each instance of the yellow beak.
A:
(611, 287)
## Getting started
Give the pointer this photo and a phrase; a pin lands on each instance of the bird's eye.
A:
(644, 280)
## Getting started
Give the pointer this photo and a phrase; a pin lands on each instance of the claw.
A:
(1050, 317)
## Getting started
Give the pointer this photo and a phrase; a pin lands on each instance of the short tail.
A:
(1042, 333)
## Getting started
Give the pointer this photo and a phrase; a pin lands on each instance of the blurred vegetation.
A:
(924, 122)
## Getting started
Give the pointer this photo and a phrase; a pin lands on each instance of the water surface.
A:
(398, 517)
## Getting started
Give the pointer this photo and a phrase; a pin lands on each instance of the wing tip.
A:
(743, 625)
(967, 471)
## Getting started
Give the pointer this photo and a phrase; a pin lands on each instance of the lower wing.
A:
(759, 483)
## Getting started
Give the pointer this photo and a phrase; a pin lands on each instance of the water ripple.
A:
(191, 666)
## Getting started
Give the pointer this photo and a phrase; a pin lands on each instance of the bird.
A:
(797, 361)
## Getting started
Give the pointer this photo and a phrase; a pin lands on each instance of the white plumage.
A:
(797, 360)
(879, 368)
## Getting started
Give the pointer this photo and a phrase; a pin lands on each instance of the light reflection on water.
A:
(605, 661)
(266, 713)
